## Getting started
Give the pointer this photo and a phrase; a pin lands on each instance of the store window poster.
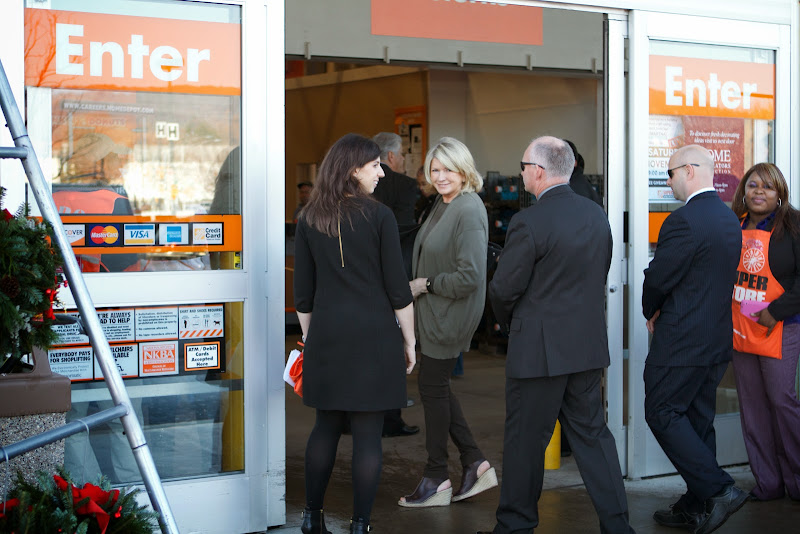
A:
(722, 136)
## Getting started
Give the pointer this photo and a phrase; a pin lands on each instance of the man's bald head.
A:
(692, 169)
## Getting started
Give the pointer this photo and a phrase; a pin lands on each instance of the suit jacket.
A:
(581, 185)
(549, 287)
(400, 193)
(690, 279)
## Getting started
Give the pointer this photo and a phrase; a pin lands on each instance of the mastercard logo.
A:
(104, 235)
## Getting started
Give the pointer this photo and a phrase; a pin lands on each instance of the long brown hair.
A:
(337, 194)
(786, 217)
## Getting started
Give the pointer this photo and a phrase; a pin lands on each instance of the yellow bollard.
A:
(552, 454)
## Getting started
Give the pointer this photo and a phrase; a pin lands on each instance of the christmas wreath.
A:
(30, 275)
(56, 504)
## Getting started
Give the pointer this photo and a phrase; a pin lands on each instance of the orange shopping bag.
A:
(293, 372)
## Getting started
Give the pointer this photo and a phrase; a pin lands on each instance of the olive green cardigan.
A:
(453, 257)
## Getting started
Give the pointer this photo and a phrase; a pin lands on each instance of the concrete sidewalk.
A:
(564, 508)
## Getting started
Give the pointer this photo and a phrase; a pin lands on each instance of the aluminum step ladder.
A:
(23, 150)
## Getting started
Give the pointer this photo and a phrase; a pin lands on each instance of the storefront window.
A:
(719, 97)
(140, 104)
(136, 105)
(182, 367)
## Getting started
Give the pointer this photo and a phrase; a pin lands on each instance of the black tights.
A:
(367, 457)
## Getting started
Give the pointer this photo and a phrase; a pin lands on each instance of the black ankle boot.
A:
(313, 522)
(359, 526)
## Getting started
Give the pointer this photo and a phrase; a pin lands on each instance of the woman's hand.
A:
(418, 286)
(411, 357)
(765, 318)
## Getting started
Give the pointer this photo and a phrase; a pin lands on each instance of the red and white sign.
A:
(77, 50)
(157, 359)
(458, 20)
(711, 88)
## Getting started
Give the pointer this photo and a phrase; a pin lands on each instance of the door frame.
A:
(647, 458)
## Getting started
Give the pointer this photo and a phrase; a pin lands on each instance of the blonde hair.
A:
(455, 155)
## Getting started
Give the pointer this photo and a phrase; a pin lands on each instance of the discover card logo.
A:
(76, 234)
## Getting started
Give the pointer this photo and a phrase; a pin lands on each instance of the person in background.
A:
(399, 193)
(578, 181)
(686, 301)
(449, 286)
(427, 196)
(766, 343)
(351, 293)
(303, 195)
(551, 278)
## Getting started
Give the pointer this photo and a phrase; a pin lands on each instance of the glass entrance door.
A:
(722, 95)
(138, 111)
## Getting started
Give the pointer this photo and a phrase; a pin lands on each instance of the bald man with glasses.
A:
(686, 301)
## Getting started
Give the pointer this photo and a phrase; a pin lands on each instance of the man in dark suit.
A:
(399, 192)
(551, 281)
(577, 181)
(687, 303)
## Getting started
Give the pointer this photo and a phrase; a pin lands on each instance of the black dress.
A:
(353, 358)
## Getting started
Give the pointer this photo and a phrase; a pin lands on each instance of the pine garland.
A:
(56, 504)
(29, 278)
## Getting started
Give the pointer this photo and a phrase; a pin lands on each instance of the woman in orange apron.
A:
(766, 331)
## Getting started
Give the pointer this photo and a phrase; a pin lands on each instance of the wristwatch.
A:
(429, 286)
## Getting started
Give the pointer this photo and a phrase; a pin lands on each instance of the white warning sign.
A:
(201, 356)
(73, 362)
(127, 359)
(156, 323)
(117, 325)
(198, 322)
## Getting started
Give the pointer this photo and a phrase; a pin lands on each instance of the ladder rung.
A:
(61, 432)
(9, 152)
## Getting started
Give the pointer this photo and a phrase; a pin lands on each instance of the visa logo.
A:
(140, 234)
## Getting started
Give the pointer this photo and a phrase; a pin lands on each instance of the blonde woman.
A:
(449, 285)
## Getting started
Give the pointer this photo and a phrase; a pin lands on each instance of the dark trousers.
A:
(443, 417)
(366, 463)
(770, 413)
(532, 407)
(679, 406)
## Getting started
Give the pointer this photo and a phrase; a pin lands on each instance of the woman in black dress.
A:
(351, 293)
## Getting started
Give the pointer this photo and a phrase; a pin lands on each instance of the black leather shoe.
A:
(313, 522)
(404, 430)
(720, 507)
(359, 526)
(677, 517)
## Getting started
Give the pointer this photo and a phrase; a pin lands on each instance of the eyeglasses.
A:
(523, 163)
(670, 171)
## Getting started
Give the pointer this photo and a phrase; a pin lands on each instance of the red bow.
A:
(7, 216)
(8, 505)
(97, 496)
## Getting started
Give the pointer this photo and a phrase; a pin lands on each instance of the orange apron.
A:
(754, 281)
